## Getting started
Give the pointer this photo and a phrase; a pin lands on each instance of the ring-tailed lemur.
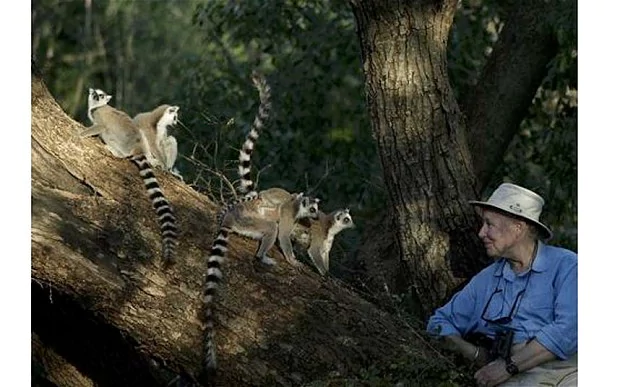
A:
(320, 232)
(259, 220)
(246, 186)
(317, 235)
(123, 138)
(162, 149)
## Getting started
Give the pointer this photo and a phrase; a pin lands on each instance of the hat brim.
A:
(545, 232)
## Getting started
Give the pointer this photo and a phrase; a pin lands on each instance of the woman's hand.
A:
(492, 374)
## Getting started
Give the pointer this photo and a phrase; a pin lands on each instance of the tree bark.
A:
(421, 139)
(51, 369)
(101, 301)
(500, 100)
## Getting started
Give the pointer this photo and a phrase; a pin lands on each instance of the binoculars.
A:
(501, 345)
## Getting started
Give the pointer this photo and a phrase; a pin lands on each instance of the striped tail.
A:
(165, 215)
(214, 276)
(260, 120)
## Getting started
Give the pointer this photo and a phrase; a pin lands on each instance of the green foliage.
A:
(319, 139)
(133, 50)
(475, 29)
(411, 369)
(543, 156)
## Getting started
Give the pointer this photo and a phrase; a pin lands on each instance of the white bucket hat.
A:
(520, 202)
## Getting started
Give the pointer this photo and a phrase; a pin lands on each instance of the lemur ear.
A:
(90, 90)
(108, 98)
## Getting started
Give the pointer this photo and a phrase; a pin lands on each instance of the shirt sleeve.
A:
(560, 336)
(455, 317)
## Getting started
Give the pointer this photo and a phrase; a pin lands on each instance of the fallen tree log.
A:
(102, 302)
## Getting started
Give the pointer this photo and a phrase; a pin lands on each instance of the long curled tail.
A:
(214, 276)
(260, 120)
(165, 215)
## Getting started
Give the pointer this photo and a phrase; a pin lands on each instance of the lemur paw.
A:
(294, 262)
(268, 261)
(175, 172)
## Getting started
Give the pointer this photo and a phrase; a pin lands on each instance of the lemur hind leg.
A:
(266, 243)
(170, 150)
(287, 248)
(93, 130)
(244, 223)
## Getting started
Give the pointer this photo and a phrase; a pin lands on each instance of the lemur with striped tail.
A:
(256, 220)
(247, 188)
(161, 148)
(125, 140)
(316, 234)
(268, 216)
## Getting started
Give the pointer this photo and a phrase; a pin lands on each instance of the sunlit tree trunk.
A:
(420, 134)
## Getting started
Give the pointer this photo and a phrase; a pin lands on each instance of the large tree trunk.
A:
(103, 306)
(502, 96)
(421, 138)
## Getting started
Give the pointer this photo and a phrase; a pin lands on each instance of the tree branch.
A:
(500, 100)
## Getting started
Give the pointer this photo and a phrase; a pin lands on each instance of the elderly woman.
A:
(516, 320)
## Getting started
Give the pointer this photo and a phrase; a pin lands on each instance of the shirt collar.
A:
(541, 262)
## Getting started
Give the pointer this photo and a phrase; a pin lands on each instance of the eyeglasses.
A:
(506, 319)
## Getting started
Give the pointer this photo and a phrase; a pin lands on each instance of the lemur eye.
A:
(346, 220)
(312, 210)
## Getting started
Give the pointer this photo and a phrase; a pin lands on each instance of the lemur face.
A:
(344, 220)
(97, 97)
(170, 116)
(309, 207)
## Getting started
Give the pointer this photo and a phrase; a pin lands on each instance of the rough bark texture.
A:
(421, 138)
(500, 100)
(49, 368)
(101, 301)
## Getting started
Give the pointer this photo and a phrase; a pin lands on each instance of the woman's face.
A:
(499, 233)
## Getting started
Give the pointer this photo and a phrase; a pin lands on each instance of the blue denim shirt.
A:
(547, 310)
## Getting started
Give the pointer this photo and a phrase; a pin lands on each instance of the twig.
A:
(214, 172)
(325, 175)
